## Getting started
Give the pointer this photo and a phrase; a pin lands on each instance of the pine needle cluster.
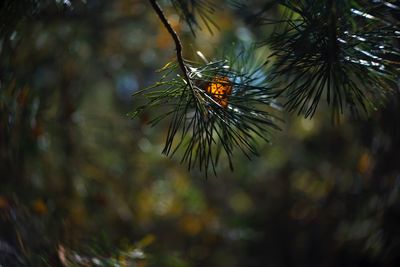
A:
(228, 107)
(342, 50)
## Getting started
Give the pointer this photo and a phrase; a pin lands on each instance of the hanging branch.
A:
(216, 108)
(178, 44)
(230, 109)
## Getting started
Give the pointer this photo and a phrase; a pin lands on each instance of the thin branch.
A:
(178, 44)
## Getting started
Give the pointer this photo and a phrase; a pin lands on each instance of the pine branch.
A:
(344, 51)
(230, 109)
(178, 44)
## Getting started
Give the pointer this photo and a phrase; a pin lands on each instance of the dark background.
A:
(79, 178)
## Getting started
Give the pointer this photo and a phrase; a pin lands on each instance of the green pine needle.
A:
(344, 51)
(201, 126)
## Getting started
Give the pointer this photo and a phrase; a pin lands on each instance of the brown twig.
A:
(178, 44)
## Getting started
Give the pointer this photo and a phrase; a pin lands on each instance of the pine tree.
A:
(344, 52)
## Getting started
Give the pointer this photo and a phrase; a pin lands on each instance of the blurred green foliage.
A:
(83, 185)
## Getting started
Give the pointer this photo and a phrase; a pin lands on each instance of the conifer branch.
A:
(178, 44)
(231, 109)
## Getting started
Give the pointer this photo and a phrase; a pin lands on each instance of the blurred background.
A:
(82, 184)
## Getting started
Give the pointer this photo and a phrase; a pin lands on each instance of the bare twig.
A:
(178, 44)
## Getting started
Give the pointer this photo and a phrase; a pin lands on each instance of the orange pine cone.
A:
(220, 88)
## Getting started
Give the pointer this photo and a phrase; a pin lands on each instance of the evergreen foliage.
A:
(344, 52)
(207, 125)
(344, 49)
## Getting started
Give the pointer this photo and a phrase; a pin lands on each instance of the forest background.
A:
(83, 183)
